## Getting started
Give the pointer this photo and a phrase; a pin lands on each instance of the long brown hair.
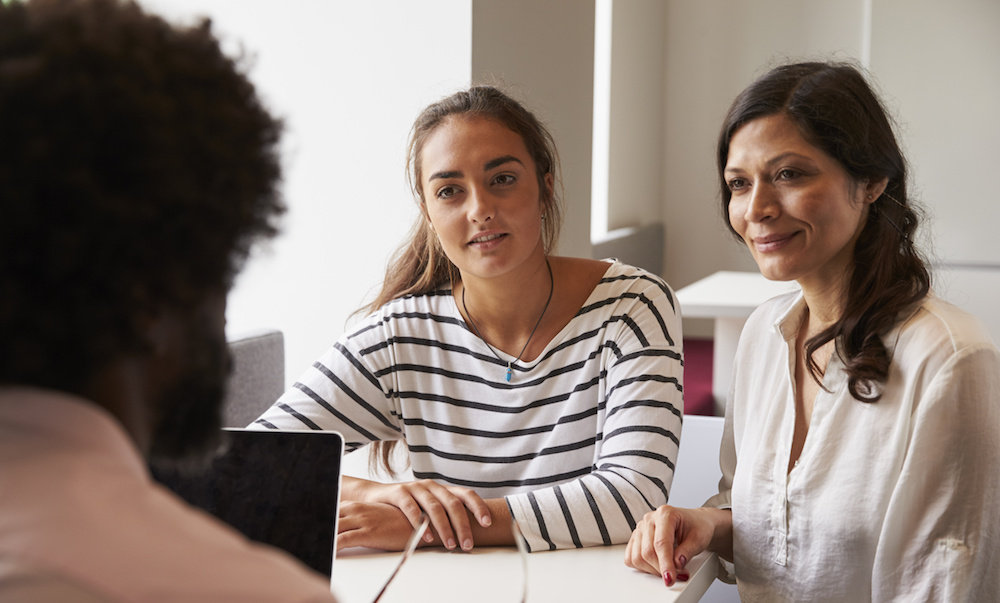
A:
(838, 112)
(420, 265)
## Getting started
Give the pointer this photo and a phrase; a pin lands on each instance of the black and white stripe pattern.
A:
(581, 442)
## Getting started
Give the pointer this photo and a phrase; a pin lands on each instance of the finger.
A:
(397, 495)
(646, 556)
(693, 536)
(683, 552)
(353, 527)
(476, 505)
(436, 512)
(458, 513)
(349, 538)
(349, 517)
(656, 544)
(663, 547)
(633, 549)
(633, 555)
(347, 523)
(403, 498)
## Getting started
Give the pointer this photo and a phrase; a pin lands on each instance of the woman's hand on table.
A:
(373, 525)
(666, 539)
(448, 507)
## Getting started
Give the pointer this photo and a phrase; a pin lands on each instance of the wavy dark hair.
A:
(420, 265)
(137, 168)
(837, 111)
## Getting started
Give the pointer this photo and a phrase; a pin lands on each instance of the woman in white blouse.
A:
(862, 433)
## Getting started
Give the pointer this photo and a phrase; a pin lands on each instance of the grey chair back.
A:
(640, 246)
(258, 376)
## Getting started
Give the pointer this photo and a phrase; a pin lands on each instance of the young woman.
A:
(861, 447)
(526, 387)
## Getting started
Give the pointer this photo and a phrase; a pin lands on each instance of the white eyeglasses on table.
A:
(488, 574)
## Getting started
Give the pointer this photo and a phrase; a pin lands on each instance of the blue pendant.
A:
(509, 371)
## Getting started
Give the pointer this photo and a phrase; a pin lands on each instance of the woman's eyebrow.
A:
(445, 175)
(770, 162)
(492, 163)
(787, 155)
(489, 165)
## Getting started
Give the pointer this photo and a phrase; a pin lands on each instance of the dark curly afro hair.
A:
(137, 169)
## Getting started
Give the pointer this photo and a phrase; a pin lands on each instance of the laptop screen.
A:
(277, 487)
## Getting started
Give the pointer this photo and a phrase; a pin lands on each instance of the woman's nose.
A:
(481, 206)
(762, 203)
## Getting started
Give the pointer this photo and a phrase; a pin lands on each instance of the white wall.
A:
(638, 43)
(939, 65)
(349, 77)
(543, 53)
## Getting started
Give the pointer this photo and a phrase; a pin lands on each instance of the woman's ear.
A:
(427, 217)
(549, 181)
(874, 189)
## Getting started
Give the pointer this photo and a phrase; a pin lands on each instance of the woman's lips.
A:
(487, 240)
(772, 242)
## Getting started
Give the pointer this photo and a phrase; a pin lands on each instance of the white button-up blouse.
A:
(890, 501)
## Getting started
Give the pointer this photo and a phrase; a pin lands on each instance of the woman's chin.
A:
(774, 272)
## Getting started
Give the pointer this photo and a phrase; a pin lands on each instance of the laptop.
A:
(277, 487)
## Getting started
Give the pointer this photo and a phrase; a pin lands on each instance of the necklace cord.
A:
(552, 287)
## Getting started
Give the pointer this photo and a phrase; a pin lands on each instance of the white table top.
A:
(491, 574)
(729, 294)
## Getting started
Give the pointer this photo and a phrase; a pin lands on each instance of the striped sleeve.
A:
(640, 411)
(339, 392)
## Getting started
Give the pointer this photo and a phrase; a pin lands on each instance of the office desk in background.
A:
(729, 298)
(494, 574)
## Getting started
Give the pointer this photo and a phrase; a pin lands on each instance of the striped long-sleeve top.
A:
(581, 442)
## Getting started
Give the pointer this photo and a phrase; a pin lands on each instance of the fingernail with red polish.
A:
(683, 576)
(668, 579)
(683, 561)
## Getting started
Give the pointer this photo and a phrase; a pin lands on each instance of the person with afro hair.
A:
(137, 169)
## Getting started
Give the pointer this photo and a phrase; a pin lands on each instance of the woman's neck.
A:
(826, 301)
(505, 310)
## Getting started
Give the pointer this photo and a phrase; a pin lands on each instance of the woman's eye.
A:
(736, 184)
(787, 174)
(504, 179)
(446, 192)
